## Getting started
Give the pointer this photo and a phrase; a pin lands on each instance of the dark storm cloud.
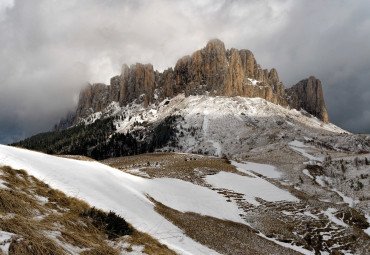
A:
(50, 49)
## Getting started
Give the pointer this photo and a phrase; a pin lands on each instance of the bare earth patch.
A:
(187, 167)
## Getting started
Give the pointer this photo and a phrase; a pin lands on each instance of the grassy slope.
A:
(46, 221)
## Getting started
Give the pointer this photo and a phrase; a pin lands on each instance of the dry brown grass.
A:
(77, 157)
(33, 211)
(187, 167)
(152, 246)
(225, 237)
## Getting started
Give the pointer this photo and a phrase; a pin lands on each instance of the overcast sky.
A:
(49, 49)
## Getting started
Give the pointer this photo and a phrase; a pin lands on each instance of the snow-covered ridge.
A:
(206, 105)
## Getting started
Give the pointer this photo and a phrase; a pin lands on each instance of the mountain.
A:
(188, 109)
(212, 71)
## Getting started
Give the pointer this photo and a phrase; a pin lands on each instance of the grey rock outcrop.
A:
(307, 94)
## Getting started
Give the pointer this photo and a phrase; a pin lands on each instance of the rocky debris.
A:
(307, 94)
(212, 70)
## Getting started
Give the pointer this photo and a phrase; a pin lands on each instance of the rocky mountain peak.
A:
(213, 70)
(307, 94)
(215, 46)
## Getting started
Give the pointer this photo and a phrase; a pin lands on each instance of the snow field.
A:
(251, 187)
(110, 189)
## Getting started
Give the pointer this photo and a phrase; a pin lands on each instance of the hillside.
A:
(36, 219)
(180, 199)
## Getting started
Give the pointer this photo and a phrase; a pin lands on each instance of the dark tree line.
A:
(99, 141)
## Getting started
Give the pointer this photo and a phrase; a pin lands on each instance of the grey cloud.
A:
(50, 49)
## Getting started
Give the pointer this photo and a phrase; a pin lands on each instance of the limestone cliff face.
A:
(92, 99)
(137, 83)
(307, 94)
(218, 71)
(212, 70)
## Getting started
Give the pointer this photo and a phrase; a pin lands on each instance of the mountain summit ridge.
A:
(213, 70)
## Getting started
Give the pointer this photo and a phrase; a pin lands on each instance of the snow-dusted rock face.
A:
(213, 70)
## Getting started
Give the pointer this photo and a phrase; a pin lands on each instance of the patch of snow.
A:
(5, 240)
(263, 169)
(123, 247)
(367, 231)
(306, 172)
(330, 214)
(299, 146)
(2, 184)
(320, 180)
(40, 217)
(56, 236)
(137, 172)
(325, 200)
(324, 181)
(8, 216)
(311, 215)
(253, 82)
(251, 187)
(41, 199)
(137, 249)
(188, 197)
(296, 143)
(346, 199)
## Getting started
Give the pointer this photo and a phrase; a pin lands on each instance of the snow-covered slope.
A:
(234, 109)
(110, 189)
(227, 125)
